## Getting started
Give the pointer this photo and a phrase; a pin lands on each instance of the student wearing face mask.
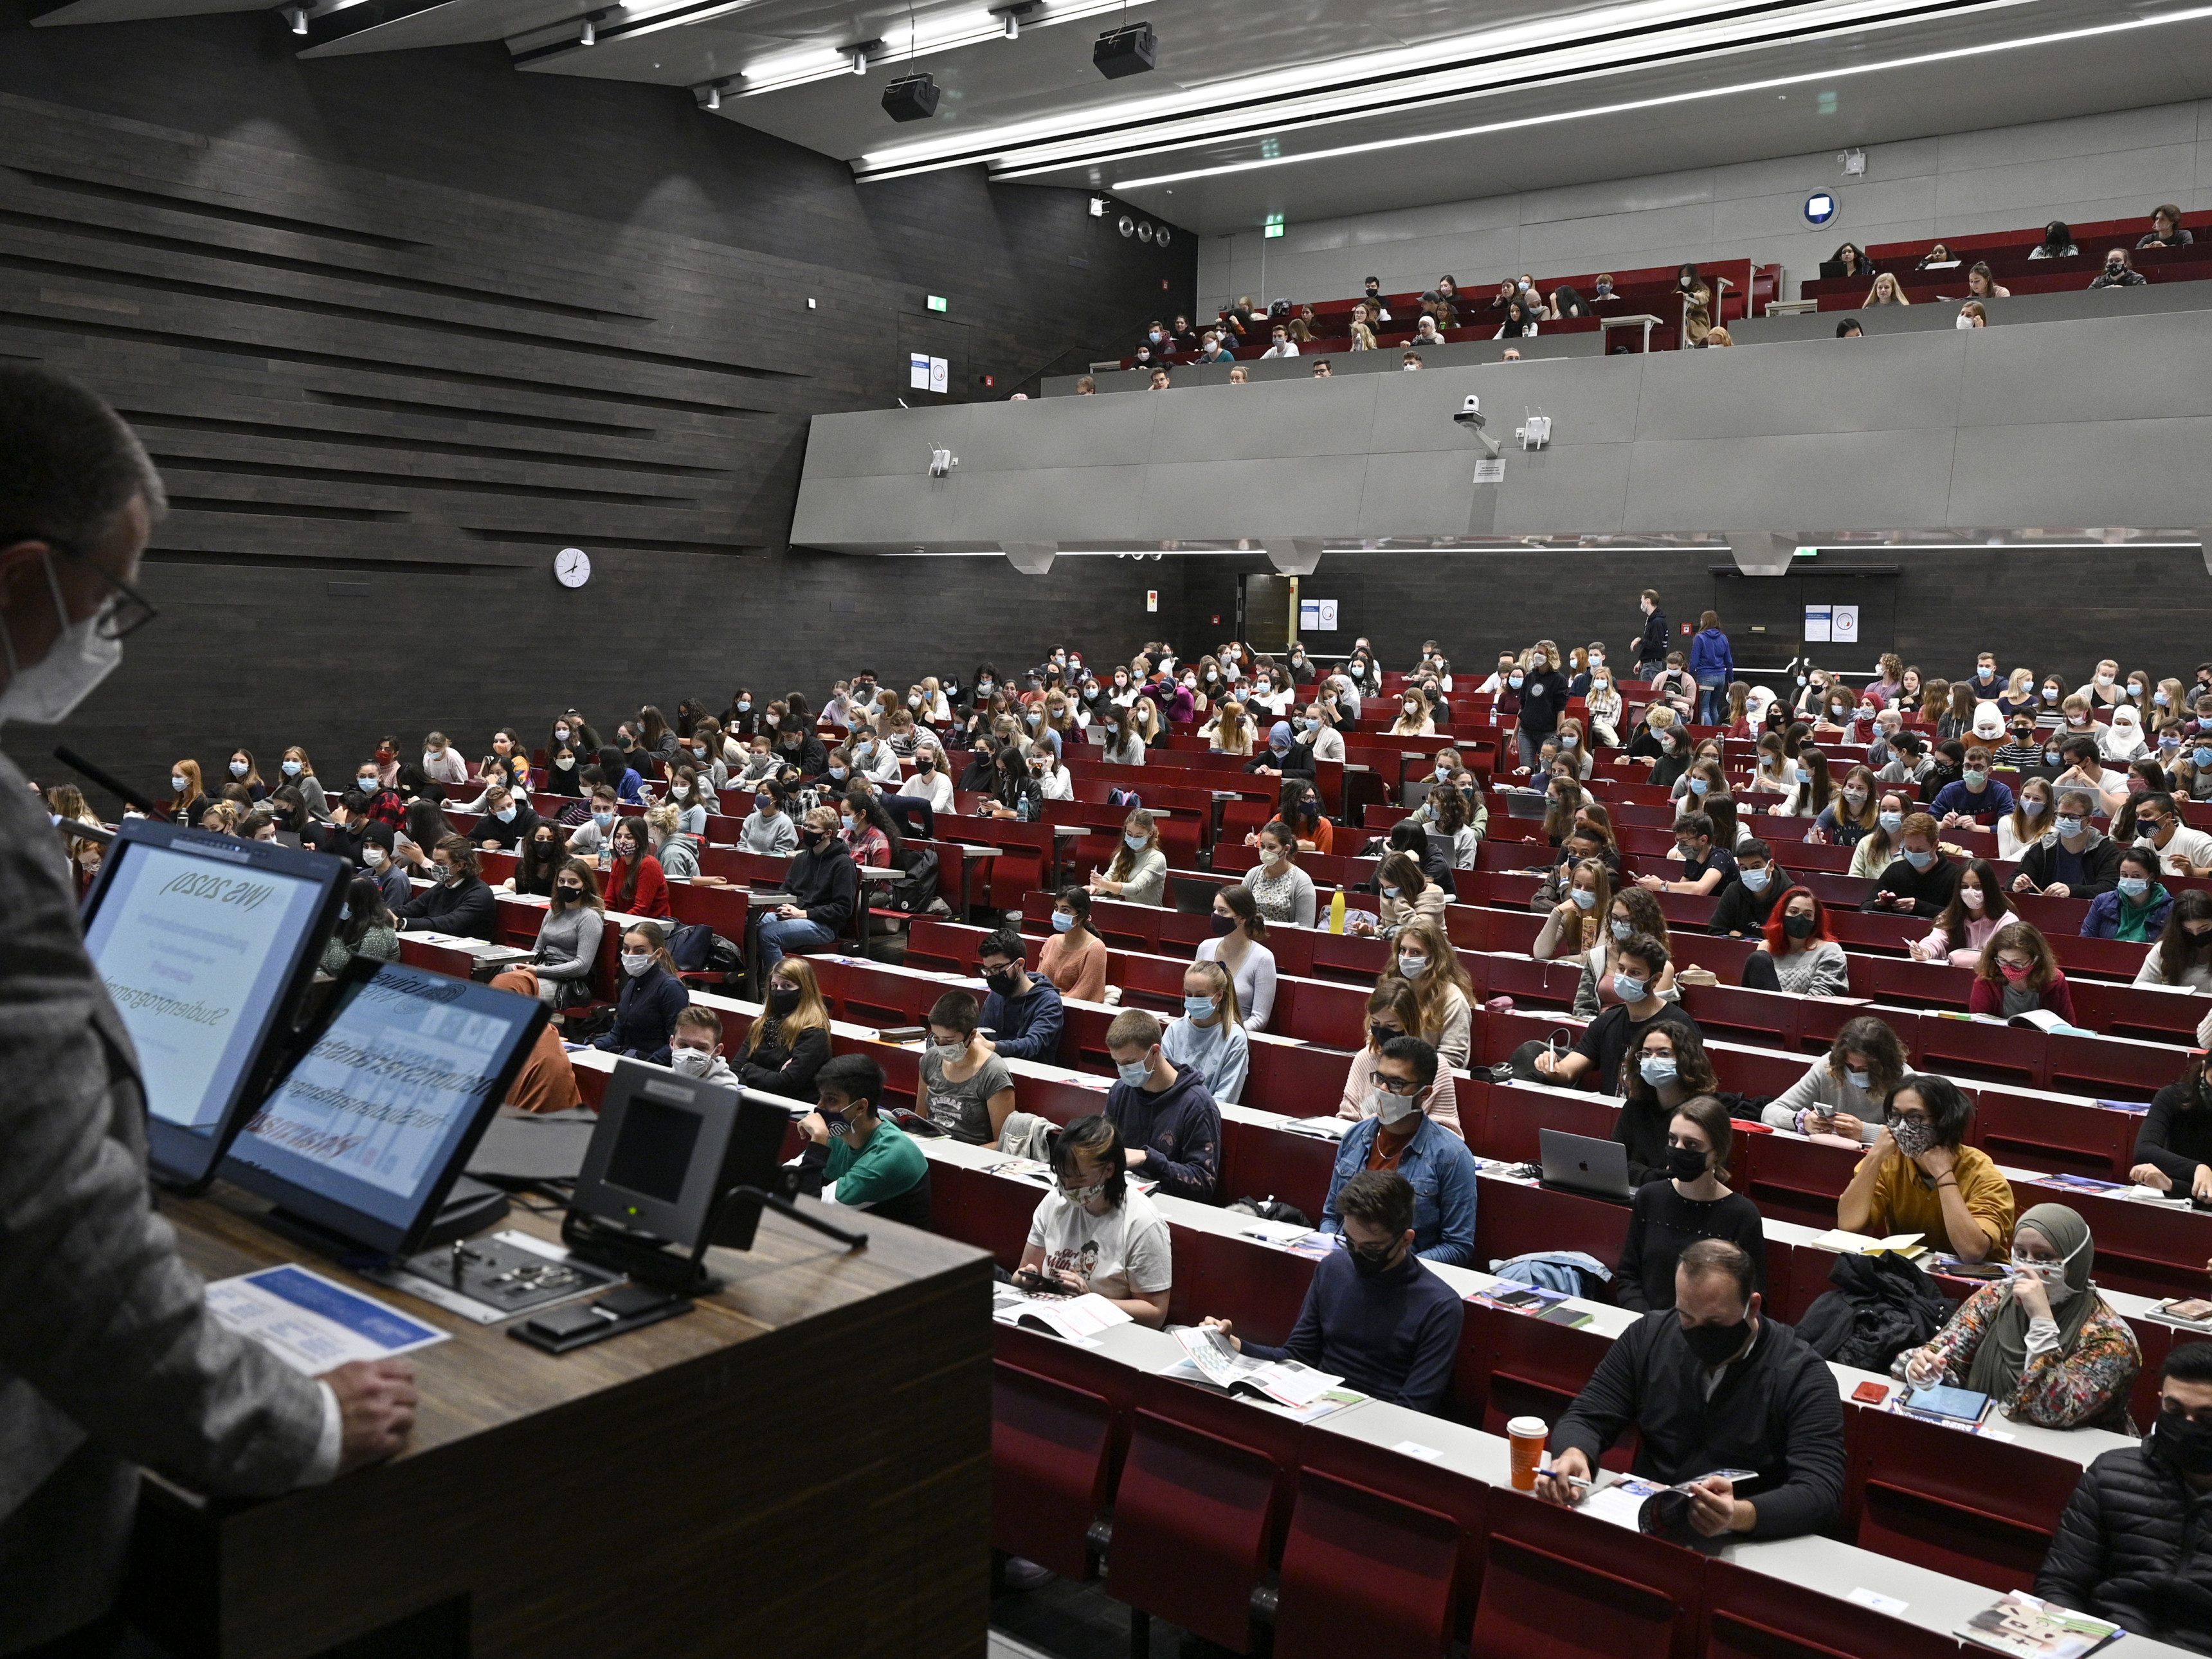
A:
(2181, 850)
(1707, 866)
(1074, 958)
(2130, 1546)
(1842, 1092)
(377, 863)
(365, 928)
(1284, 893)
(1665, 1068)
(825, 891)
(651, 998)
(538, 861)
(2017, 973)
(442, 763)
(1920, 1176)
(1239, 945)
(1426, 960)
(1023, 1013)
(1921, 880)
(1395, 1132)
(567, 953)
(2073, 859)
(2183, 953)
(967, 1090)
(1713, 1382)
(1851, 814)
(1209, 1041)
(2042, 1344)
(1693, 1202)
(789, 1043)
(457, 901)
(677, 852)
(2028, 822)
(1796, 952)
(636, 885)
(1756, 894)
(695, 1048)
(508, 821)
(297, 770)
(1095, 1232)
(2134, 908)
(1166, 1119)
(1636, 1004)
(1978, 908)
(1139, 871)
(1373, 1315)
(864, 1161)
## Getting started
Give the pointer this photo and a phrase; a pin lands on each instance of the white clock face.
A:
(572, 566)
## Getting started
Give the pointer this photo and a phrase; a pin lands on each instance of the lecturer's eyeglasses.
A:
(126, 610)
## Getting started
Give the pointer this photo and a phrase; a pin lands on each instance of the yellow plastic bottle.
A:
(1336, 912)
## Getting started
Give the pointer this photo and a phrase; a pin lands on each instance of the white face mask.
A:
(691, 1062)
(48, 691)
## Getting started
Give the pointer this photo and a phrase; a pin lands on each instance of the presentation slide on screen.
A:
(194, 952)
(367, 1114)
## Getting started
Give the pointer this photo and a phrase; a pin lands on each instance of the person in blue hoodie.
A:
(1022, 1012)
(1167, 1120)
(1399, 1135)
(1713, 664)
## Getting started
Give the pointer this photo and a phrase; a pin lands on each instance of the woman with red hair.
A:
(1796, 953)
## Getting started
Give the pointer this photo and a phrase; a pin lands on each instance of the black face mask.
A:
(1713, 1344)
(1797, 926)
(2182, 1445)
(782, 999)
(1379, 1035)
(1686, 1164)
(1003, 982)
(1369, 1260)
(1225, 924)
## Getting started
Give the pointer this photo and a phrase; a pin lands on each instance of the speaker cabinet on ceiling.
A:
(911, 98)
(1132, 51)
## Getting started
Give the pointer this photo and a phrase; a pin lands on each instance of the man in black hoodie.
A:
(1711, 1385)
(1650, 652)
(1167, 1119)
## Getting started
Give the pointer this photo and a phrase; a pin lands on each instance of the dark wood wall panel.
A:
(397, 329)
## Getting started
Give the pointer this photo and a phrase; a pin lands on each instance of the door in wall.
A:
(1263, 605)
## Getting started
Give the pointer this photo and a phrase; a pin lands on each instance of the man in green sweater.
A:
(871, 1164)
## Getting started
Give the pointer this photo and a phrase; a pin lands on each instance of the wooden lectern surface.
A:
(801, 1466)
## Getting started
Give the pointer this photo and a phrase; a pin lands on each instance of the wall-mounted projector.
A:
(910, 98)
(1132, 51)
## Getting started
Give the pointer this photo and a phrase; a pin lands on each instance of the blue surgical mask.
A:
(1413, 967)
(1700, 785)
(1757, 879)
(1861, 1081)
(1135, 843)
(1516, 681)
(1061, 921)
(2161, 699)
(505, 815)
(1198, 1007)
(2053, 757)
(1135, 1073)
(1629, 989)
(1584, 899)
(2134, 887)
(291, 768)
(1621, 930)
(2201, 756)
(2030, 807)
(2067, 826)
(836, 771)
(1658, 1070)
(1890, 822)
(1802, 774)
(1919, 860)
(605, 820)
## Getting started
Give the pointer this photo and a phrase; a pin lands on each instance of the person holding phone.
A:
(1095, 1232)
(1842, 1092)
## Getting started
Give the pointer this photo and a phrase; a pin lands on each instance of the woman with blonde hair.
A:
(1414, 719)
(1886, 291)
(1210, 1039)
(790, 1041)
(1230, 731)
(188, 794)
(1576, 924)
(1393, 1010)
(1603, 701)
(1441, 990)
(1139, 872)
(1363, 329)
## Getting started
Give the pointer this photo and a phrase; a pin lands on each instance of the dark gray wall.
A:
(399, 328)
(2052, 611)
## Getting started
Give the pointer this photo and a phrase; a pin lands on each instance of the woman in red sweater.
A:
(635, 886)
(2017, 973)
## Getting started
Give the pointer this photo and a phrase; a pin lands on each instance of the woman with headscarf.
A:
(2042, 1344)
(2122, 739)
(547, 1082)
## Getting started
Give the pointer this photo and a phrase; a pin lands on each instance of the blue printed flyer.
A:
(312, 1323)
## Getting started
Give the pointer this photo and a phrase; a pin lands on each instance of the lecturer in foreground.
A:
(108, 1358)
(1711, 1384)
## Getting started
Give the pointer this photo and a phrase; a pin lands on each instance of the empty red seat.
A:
(1559, 1585)
(1365, 1573)
(1051, 1467)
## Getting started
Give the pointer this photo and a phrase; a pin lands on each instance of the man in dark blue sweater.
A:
(1168, 1120)
(1375, 1315)
(1022, 1012)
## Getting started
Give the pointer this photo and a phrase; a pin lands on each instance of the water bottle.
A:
(1336, 912)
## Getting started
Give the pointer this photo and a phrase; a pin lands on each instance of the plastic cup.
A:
(1526, 1435)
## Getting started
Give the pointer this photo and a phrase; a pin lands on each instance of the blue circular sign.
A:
(1820, 207)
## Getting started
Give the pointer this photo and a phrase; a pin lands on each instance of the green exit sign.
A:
(1274, 227)
(937, 302)
(1808, 553)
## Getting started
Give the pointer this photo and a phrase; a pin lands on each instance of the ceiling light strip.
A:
(1486, 60)
(973, 28)
(1630, 105)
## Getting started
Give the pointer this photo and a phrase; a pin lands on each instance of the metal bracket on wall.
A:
(1293, 556)
(1030, 558)
(1763, 555)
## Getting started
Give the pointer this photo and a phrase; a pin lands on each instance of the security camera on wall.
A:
(1471, 417)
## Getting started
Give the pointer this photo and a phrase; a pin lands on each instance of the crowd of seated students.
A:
(1404, 1184)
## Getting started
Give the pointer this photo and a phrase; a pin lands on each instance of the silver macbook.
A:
(1584, 1163)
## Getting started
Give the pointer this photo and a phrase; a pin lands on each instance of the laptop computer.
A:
(1527, 803)
(1194, 898)
(1584, 1163)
